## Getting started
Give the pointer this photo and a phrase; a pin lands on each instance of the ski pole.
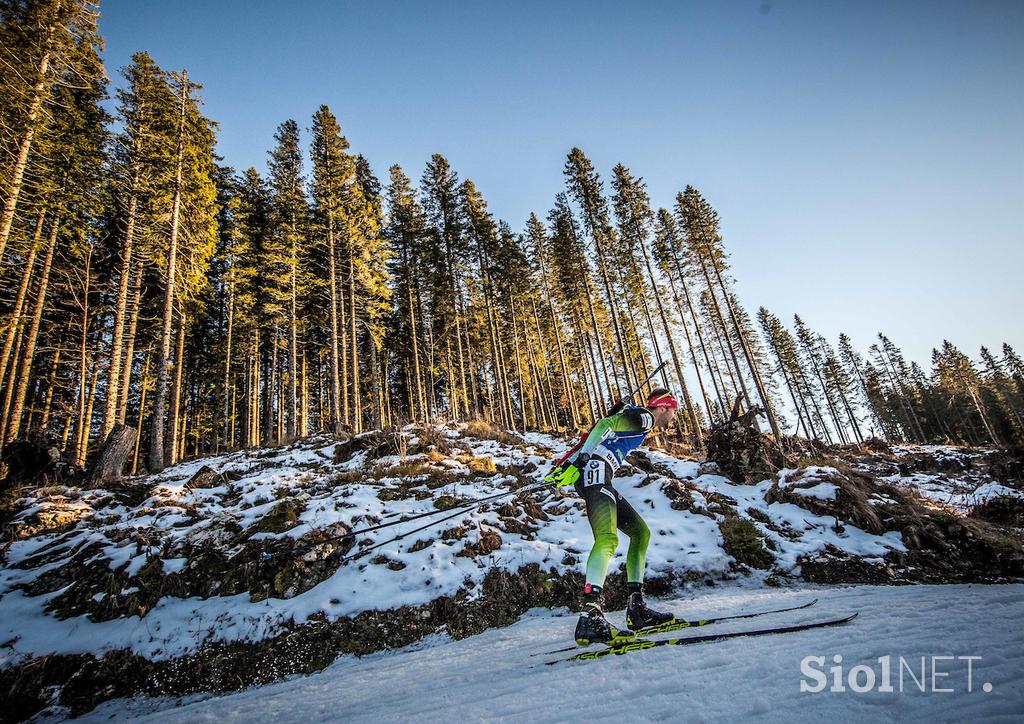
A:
(461, 507)
(461, 510)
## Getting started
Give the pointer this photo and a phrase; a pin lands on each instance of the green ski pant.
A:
(606, 511)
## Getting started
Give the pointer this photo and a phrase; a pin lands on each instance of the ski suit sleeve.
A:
(635, 419)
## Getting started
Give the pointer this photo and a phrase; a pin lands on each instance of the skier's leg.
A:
(601, 512)
(601, 500)
(638, 615)
(630, 523)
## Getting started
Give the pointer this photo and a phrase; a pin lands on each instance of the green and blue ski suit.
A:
(603, 452)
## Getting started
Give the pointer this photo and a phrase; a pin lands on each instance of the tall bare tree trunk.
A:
(492, 335)
(545, 386)
(156, 441)
(174, 444)
(86, 421)
(574, 410)
(690, 346)
(386, 386)
(19, 301)
(66, 429)
(897, 384)
(228, 402)
(377, 416)
(282, 412)
(79, 456)
(254, 396)
(817, 407)
(304, 405)
(234, 415)
(357, 413)
(459, 312)
(751, 362)
(789, 385)
(741, 385)
(332, 287)
(519, 366)
(51, 380)
(293, 362)
(601, 399)
(127, 366)
(545, 397)
(343, 346)
(17, 401)
(595, 397)
(697, 331)
(428, 384)
(322, 392)
(117, 334)
(269, 427)
(417, 374)
(142, 413)
(641, 353)
(472, 406)
(613, 312)
(980, 407)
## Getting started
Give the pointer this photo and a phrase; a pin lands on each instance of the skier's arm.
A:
(635, 419)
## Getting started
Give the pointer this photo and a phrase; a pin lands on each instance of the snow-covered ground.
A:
(493, 677)
(411, 571)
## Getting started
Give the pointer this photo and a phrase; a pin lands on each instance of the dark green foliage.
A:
(742, 541)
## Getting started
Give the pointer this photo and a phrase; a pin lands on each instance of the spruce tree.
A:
(958, 375)
(584, 185)
(701, 224)
(333, 173)
(143, 153)
(669, 251)
(780, 343)
(635, 218)
(446, 255)
(191, 188)
(406, 233)
(290, 215)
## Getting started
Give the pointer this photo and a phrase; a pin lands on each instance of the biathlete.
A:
(590, 470)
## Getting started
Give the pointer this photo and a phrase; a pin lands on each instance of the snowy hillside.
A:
(235, 570)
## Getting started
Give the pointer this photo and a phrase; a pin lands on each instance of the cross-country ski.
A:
(619, 649)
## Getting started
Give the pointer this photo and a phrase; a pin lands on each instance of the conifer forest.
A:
(147, 285)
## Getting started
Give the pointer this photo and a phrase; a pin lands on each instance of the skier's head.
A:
(663, 406)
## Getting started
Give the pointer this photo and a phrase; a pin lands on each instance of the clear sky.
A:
(866, 158)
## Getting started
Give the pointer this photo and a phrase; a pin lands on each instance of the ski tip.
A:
(844, 619)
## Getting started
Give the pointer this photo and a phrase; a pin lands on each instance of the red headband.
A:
(665, 399)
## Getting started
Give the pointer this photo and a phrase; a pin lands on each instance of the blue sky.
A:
(866, 158)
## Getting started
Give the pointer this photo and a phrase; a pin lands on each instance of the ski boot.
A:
(594, 628)
(638, 615)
